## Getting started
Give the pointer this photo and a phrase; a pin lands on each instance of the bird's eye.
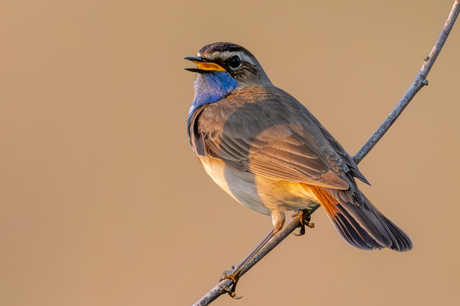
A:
(234, 62)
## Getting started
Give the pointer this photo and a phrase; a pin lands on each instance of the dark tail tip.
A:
(363, 226)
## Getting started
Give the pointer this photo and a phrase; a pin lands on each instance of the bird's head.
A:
(222, 68)
(234, 60)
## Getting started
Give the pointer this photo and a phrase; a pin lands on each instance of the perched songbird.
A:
(268, 152)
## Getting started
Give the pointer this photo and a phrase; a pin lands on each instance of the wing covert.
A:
(267, 139)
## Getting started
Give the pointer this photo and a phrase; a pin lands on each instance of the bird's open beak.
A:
(203, 65)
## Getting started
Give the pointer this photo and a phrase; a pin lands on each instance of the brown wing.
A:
(269, 134)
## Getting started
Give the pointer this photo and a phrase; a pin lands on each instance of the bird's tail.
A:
(359, 222)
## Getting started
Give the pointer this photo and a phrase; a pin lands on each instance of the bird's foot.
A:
(305, 219)
(233, 275)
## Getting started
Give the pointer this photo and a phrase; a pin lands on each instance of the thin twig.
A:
(226, 283)
(419, 82)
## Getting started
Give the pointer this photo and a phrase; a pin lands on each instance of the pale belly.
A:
(259, 193)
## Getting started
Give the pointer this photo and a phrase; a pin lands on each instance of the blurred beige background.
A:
(102, 201)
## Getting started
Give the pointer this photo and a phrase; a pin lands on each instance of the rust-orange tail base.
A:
(326, 200)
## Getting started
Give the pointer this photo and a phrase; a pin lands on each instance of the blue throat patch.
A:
(211, 87)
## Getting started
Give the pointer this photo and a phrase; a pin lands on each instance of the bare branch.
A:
(419, 82)
(280, 236)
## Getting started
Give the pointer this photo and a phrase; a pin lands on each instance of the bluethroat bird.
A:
(268, 152)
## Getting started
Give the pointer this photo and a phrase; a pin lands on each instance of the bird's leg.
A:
(234, 274)
(278, 222)
(305, 217)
